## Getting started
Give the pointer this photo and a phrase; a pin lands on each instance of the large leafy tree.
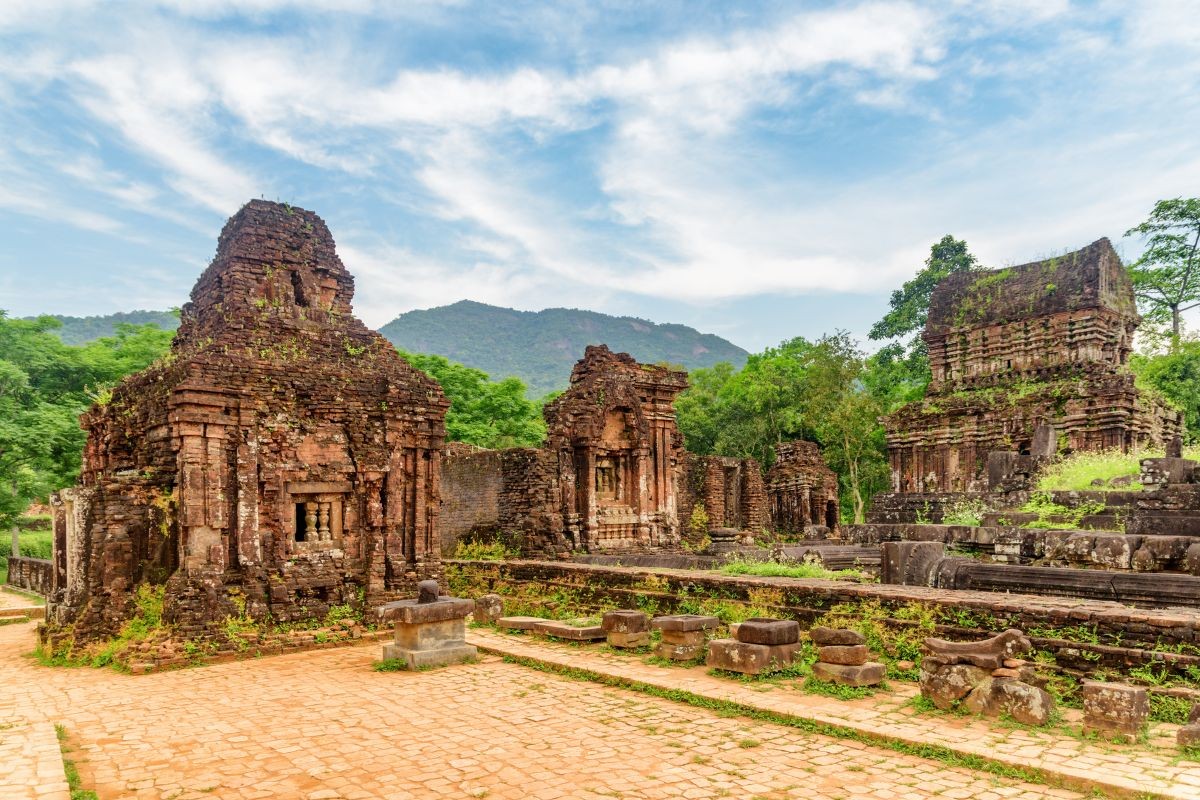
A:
(1176, 375)
(483, 412)
(909, 305)
(1166, 279)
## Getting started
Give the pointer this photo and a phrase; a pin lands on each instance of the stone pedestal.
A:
(759, 645)
(683, 635)
(626, 628)
(573, 633)
(428, 634)
(1189, 735)
(1114, 710)
(844, 658)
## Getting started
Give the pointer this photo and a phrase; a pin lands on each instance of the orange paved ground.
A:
(324, 725)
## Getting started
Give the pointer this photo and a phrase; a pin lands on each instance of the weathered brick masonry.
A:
(1012, 350)
(281, 459)
(30, 574)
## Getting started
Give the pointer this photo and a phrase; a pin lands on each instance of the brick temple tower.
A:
(282, 455)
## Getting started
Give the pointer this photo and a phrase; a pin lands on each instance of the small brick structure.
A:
(683, 635)
(758, 645)
(282, 455)
(1115, 710)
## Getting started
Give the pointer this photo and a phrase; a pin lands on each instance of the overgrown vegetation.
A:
(1094, 471)
(966, 511)
(71, 772)
(484, 551)
(1055, 515)
(775, 569)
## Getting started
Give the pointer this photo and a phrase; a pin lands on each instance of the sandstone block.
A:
(1189, 735)
(679, 652)
(625, 621)
(686, 638)
(518, 623)
(867, 674)
(563, 630)
(412, 612)
(995, 697)
(823, 636)
(684, 623)
(488, 609)
(749, 658)
(1194, 716)
(847, 655)
(628, 640)
(945, 685)
(768, 631)
(1114, 708)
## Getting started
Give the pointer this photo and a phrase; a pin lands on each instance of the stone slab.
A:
(839, 637)
(768, 631)
(684, 623)
(561, 630)
(868, 674)
(625, 621)
(628, 640)
(846, 655)
(749, 658)
(438, 657)
(410, 611)
(679, 652)
(519, 623)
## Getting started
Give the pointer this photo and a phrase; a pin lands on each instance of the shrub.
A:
(484, 551)
(964, 512)
(773, 569)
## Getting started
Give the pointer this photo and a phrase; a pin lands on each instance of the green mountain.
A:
(540, 347)
(81, 330)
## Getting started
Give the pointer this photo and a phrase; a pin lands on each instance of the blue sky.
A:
(756, 170)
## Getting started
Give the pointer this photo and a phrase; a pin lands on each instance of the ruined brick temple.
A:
(280, 460)
(1037, 346)
(802, 491)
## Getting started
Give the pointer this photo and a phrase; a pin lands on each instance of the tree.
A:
(1166, 279)
(1176, 375)
(482, 412)
(910, 303)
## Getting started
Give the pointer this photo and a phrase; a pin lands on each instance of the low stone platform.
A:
(573, 633)
(1129, 771)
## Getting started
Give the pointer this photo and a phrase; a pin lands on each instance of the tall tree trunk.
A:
(1176, 324)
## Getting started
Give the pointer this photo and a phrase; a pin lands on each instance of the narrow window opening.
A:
(298, 289)
(301, 523)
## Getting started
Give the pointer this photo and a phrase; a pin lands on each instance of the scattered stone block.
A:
(995, 697)
(1114, 710)
(626, 628)
(518, 623)
(835, 637)
(625, 621)
(564, 630)
(768, 631)
(845, 655)
(488, 609)
(750, 658)
(868, 674)
(946, 685)
(683, 635)
(430, 631)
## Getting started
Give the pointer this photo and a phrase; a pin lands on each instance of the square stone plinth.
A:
(430, 635)
(448, 653)
(684, 623)
(850, 655)
(749, 658)
(1114, 710)
(562, 630)
(768, 631)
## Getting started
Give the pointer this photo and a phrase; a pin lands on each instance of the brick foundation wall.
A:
(472, 481)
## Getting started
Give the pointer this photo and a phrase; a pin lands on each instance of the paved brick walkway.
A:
(1120, 769)
(322, 725)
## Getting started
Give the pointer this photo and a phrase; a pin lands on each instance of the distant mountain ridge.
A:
(81, 330)
(540, 347)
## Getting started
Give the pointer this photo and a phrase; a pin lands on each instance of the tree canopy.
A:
(1166, 279)
(909, 305)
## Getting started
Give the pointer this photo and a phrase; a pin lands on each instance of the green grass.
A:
(34, 544)
(1076, 472)
(772, 569)
(74, 782)
(481, 551)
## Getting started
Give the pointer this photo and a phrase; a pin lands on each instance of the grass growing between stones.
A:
(74, 782)
(838, 691)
